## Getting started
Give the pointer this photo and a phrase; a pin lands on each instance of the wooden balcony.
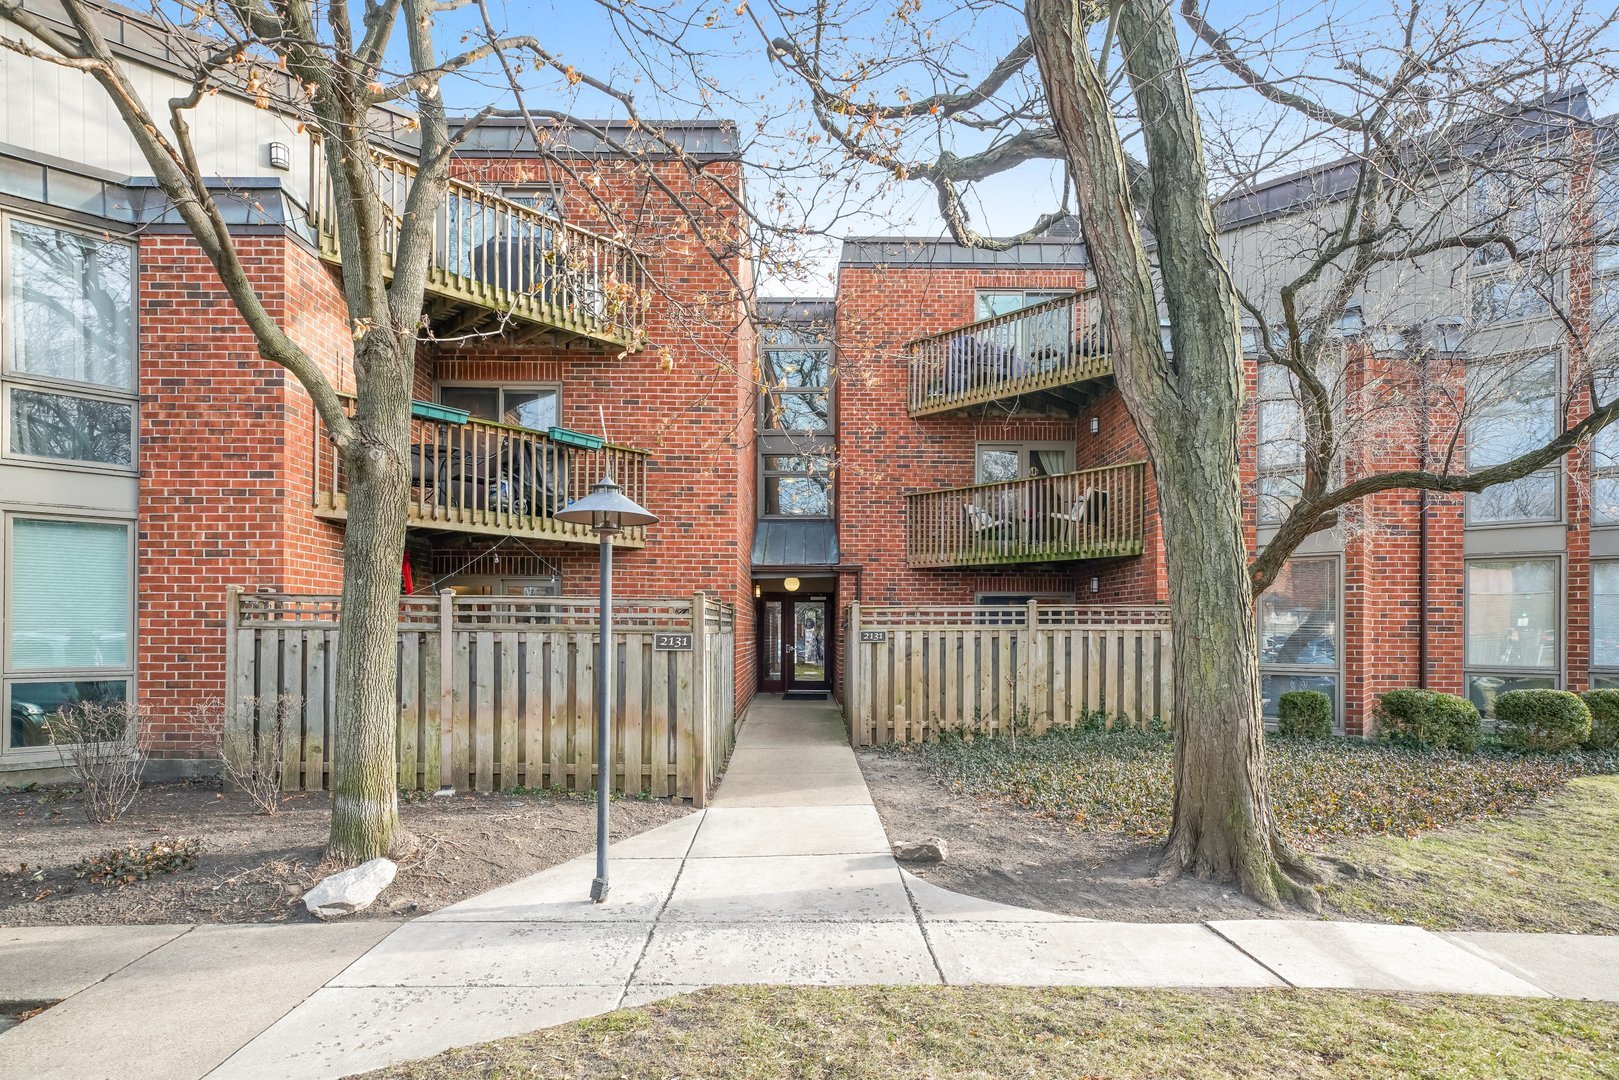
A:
(1046, 354)
(1091, 514)
(497, 264)
(493, 480)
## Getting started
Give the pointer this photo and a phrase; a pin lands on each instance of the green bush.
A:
(1604, 706)
(1304, 714)
(1427, 719)
(1541, 721)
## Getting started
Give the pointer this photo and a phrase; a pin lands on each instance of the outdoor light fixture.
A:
(791, 584)
(1096, 584)
(607, 510)
(280, 156)
(758, 590)
(1096, 425)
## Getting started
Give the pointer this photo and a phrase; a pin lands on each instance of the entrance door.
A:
(795, 643)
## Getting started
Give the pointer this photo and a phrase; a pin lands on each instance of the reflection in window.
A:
(1512, 626)
(797, 486)
(527, 406)
(1512, 409)
(796, 389)
(1511, 296)
(1605, 616)
(34, 703)
(1299, 632)
(71, 306)
(72, 428)
(1281, 443)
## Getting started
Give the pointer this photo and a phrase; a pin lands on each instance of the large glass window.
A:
(797, 485)
(1605, 621)
(534, 407)
(1299, 631)
(1513, 639)
(994, 462)
(797, 389)
(1605, 225)
(1512, 409)
(1281, 443)
(1605, 461)
(69, 345)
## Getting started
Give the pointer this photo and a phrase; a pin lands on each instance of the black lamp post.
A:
(607, 510)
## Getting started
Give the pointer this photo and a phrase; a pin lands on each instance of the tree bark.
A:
(365, 804)
(1187, 404)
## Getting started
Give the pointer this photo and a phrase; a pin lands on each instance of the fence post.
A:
(446, 691)
(699, 697)
(1031, 696)
(852, 693)
(233, 620)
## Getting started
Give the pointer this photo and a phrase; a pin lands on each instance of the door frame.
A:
(788, 681)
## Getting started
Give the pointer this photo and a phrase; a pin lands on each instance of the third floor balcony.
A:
(1051, 354)
(500, 264)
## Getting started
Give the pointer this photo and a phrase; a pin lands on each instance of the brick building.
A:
(944, 430)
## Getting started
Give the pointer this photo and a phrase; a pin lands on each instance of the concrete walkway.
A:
(786, 879)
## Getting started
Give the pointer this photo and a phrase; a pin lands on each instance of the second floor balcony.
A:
(1089, 514)
(475, 476)
(1050, 353)
(499, 264)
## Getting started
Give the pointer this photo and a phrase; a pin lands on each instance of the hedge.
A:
(1541, 721)
(1304, 714)
(1604, 706)
(1428, 719)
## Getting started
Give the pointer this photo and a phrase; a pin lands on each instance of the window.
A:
(1298, 632)
(1512, 638)
(534, 407)
(1530, 210)
(1013, 461)
(797, 389)
(1513, 295)
(797, 485)
(1605, 263)
(1038, 337)
(1605, 623)
(1605, 461)
(1281, 443)
(69, 377)
(1512, 408)
(989, 303)
(69, 620)
(542, 197)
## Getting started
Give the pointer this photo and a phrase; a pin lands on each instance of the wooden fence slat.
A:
(534, 712)
(629, 711)
(661, 757)
(508, 717)
(409, 708)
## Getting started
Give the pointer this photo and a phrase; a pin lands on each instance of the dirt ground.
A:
(254, 868)
(999, 852)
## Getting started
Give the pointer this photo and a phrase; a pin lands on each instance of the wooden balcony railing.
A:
(1047, 348)
(493, 479)
(1091, 514)
(493, 258)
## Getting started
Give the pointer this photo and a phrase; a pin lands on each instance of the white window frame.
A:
(10, 677)
(13, 378)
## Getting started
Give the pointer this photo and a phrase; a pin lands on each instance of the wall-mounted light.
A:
(791, 584)
(758, 591)
(1096, 425)
(280, 156)
(1096, 584)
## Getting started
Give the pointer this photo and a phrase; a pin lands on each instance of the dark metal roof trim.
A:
(785, 544)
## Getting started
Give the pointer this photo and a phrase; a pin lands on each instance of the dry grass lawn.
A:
(858, 1032)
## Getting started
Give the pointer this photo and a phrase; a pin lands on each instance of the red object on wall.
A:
(406, 584)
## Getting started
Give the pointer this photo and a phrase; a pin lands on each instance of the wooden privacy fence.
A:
(912, 672)
(510, 681)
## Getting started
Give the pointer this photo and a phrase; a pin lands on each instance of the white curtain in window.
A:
(70, 595)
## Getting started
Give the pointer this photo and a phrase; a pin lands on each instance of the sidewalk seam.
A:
(921, 924)
(657, 916)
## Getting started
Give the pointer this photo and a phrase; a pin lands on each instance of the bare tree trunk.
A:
(365, 807)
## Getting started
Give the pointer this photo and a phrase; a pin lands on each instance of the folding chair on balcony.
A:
(987, 528)
(1088, 509)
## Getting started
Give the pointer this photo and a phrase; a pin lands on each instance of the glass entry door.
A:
(795, 643)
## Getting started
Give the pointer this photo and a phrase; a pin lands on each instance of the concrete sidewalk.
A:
(785, 879)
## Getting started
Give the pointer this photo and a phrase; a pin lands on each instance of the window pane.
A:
(1281, 420)
(1534, 498)
(1512, 613)
(1298, 615)
(1512, 296)
(535, 409)
(1482, 690)
(1277, 494)
(483, 402)
(797, 463)
(71, 310)
(797, 367)
(798, 496)
(33, 704)
(770, 635)
(1605, 613)
(74, 428)
(1272, 687)
(798, 411)
(70, 595)
(999, 464)
(1605, 682)
(1512, 408)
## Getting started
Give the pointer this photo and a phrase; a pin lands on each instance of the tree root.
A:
(1279, 876)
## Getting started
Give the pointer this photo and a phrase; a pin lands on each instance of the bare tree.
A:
(1408, 109)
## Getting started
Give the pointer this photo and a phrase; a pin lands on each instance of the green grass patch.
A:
(1121, 781)
(1553, 867)
(860, 1032)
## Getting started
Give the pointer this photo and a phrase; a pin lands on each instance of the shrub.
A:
(1427, 719)
(251, 744)
(1604, 706)
(1304, 714)
(125, 866)
(1541, 721)
(102, 744)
